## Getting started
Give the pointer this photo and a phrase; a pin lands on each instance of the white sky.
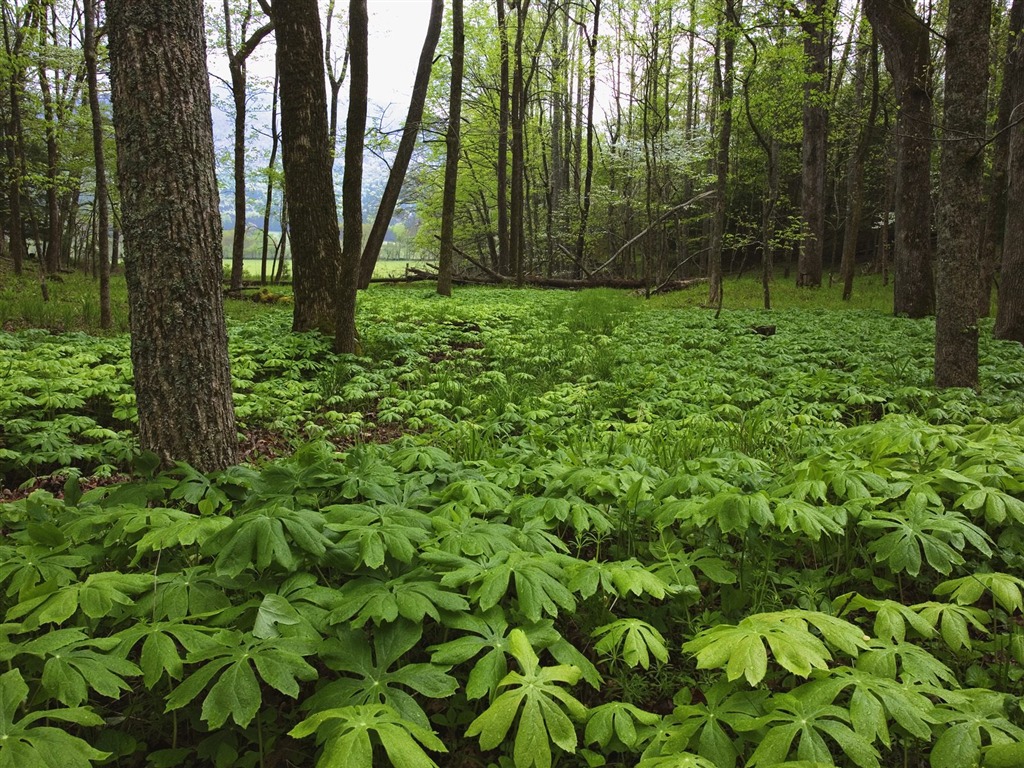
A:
(396, 36)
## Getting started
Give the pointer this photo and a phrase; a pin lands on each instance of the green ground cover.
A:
(524, 528)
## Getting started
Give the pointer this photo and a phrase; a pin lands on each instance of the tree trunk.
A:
(413, 120)
(904, 39)
(517, 120)
(308, 179)
(100, 198)
(588, 180)
(352, 183)
(725, 75)
(1010, 314)
(961, 168)
(451, 160)
(275, 141)
(858, 155)
(815, 119)
(171, 221)
(502, 264)
(15, 149)
(995, 218)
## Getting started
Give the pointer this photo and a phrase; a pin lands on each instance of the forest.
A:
(693, 436)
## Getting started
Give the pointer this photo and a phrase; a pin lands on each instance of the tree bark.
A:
(100, 198)
(451, 160)
(588, 179)
(413, 120)
(51, 260)
(904, 39)
(815, 135)
(352, 183)
(308, 178)
(171, 221)
(1010, 314)
(961, 168)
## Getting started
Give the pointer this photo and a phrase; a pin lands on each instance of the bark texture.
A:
(1010, 315)
(308, 182)
(96, 115)
(171, 223)
(904, 39)
(960, 216)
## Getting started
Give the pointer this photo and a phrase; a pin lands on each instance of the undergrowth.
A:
(609, 534)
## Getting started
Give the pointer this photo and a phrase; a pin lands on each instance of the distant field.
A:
(395, 268)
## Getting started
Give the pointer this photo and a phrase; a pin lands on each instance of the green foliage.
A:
(791, 547)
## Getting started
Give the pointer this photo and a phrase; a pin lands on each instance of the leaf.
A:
(546, 713)
(637, 639)
(345, 733)
(23, 744)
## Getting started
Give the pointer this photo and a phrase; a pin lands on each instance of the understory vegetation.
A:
(519, 529)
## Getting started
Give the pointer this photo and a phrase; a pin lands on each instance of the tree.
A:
(171, 223)
(352, 184)
(308, 178)
(451, 162)
(100, 200)
(904, 39)
(815, 139)
(959, 209)
(393, 188)
(237, 57)
(1010, 314)
(725, 82)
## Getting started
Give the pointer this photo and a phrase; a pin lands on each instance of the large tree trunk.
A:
(393, 188)
(451, 160)
(100, 199)
(171, 221)
(815, 119)
(959, 209)
(1010, 314)
(308, 179)
(904, 39)
(352, 183)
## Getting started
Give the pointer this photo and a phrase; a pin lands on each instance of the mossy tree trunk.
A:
(171, 221)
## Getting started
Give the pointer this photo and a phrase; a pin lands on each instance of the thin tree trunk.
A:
(352, 184)
(725, 75)
(100, 198)
(51, 260)
(815, 134)
(275, 140)
(15, 147)
(451, 162)
(413, 120)
(504, 95)
(588, 180)
(858, 156)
